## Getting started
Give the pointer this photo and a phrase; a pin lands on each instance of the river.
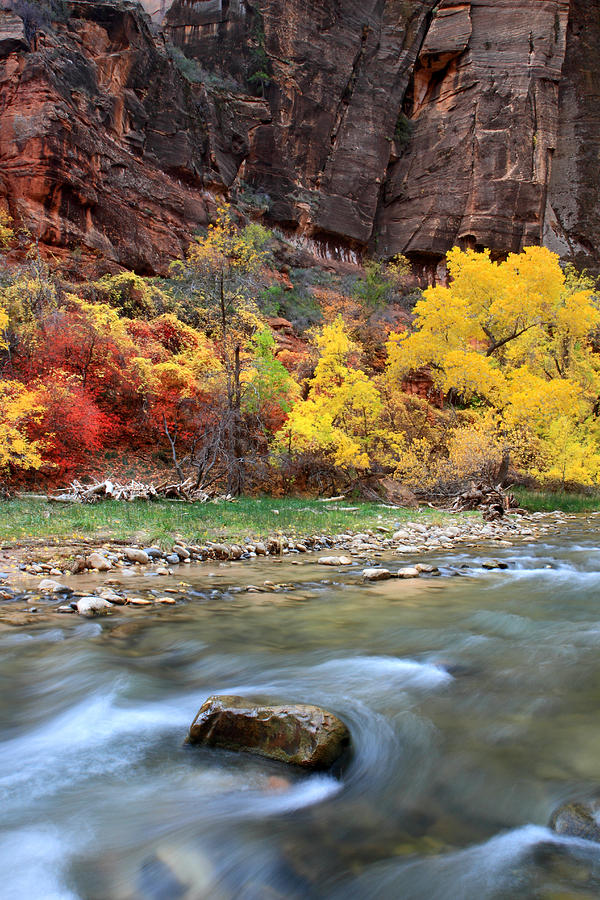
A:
(473, 702)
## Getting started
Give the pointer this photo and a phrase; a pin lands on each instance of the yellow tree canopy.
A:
(221, 269)
(515, 338)
(340, 416)
(495, 317)
(19, 407)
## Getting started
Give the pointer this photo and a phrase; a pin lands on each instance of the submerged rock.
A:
(108, 594)
(577, 820)
(303, 735)
(92, 606)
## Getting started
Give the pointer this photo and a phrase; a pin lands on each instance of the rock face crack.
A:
(346, 97)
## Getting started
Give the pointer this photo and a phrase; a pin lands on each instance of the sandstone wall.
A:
(393, 125)
(104, 146)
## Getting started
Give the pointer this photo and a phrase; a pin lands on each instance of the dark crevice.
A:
(405, 107)
(345, 99)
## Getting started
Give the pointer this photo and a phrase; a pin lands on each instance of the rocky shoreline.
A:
(19, 574)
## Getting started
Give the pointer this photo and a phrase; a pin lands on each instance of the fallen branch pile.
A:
(134, 490)
(493, 502)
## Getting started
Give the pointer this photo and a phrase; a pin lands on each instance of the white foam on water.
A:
(9, 640)
(76, 745)
(303, 793)
(352, 672)
(33, 863)
(356, 677)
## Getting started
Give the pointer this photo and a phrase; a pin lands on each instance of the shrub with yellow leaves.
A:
(19, 408)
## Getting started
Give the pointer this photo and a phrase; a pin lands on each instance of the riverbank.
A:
(31, 521)
(550, 501)
(38, 580)
(37, 522)
(39, 538)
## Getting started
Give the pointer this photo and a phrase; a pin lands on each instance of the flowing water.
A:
(473, 703)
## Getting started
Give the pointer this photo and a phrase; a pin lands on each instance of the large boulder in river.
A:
(299, 734)
(577, 820)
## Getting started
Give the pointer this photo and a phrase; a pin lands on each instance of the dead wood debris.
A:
(184, 491)
(493, 502)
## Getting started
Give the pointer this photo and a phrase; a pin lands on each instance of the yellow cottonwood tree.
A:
(221, 272)
(3, 326)
(513, 337)
(340, 417)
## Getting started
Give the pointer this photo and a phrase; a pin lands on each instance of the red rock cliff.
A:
(394, 125)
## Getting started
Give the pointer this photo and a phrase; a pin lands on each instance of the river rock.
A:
(78, 565)
(303, 735)
(376, 574)
(49, 586)
(220, 551)
(577, 820)
(108, 594)
(408, 549)
(92, 606)
(494, 564)
(408, 572)
(134, 554)
(153, 552)
(98, 561)
(172, 559)
(335, 561)
(181, 552)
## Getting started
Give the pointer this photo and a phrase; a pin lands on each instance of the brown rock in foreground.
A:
(303, 735)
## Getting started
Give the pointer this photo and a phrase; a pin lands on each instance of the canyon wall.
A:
(359, 125)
